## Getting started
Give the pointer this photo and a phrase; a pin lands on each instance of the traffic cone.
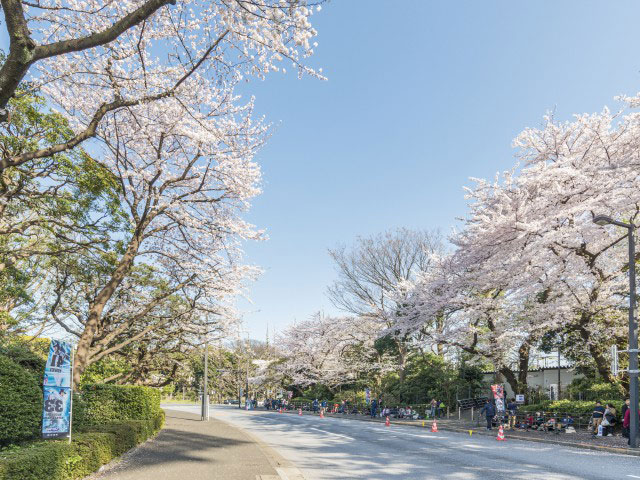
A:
(322, 413)
(280, 411)
(500, 436)
(434, 426)
(387, 423)
(299, 411)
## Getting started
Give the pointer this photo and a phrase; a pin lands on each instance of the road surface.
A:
(336, 448)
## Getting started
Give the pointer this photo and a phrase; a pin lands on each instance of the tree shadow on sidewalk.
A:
(179, 447)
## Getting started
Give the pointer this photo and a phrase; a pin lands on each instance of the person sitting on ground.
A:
(567, 421)
(408, 413)
(539, 421)
(596, 416)
(401, 412)
(609, 420)
(550, 425)
(530, 421)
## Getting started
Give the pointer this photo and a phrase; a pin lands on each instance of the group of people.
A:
(604, 418)
(510, 419)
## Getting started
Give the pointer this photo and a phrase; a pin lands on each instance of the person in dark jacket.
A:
(489, 411)
(625, 407)
(374, 408)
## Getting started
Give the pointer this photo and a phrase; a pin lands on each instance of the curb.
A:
(583, 446)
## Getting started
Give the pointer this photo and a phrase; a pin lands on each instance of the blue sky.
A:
(421, 96)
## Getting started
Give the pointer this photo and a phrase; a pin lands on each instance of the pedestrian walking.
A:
(434, 407)
(374, 408)
(489, 411)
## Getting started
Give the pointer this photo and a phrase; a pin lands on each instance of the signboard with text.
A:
(56, 412)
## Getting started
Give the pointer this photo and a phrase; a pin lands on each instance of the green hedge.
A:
(574, 407)
(104, 403)
(90, 449)
(20, 403)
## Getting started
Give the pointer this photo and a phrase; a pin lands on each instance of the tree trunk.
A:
(82, 359)
(511, 377)
(523, 367)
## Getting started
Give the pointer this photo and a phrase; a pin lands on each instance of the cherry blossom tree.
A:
(329, 351)
(529, 261)
(185, 179)
(81, 49)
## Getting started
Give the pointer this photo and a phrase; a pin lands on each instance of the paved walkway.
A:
(189, 449)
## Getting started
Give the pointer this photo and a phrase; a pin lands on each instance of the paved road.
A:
(334, 448)
(189, 449)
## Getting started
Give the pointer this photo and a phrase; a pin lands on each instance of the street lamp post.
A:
(633, 334)
(205, 383)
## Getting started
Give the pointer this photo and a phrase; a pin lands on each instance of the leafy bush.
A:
(590, 388)
(27, 354)
(59, 460)
(104, 403)
(20, 403)
(574, 407)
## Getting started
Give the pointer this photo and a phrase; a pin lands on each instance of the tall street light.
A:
(633, 334)
(205, 382)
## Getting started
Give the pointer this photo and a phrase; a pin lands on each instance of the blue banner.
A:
(56, 413)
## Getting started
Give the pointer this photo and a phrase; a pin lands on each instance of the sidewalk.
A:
(578, 440)
(190, 449)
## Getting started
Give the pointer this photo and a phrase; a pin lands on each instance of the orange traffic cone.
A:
(500, 436)
(387, 423)
(322, 413)
(299, 411)
(434, 426)
(280, 411)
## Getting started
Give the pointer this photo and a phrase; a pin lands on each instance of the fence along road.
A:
(336, 448)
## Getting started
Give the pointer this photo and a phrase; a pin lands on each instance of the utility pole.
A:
(633, 331)
(559, 387)
(205, 383)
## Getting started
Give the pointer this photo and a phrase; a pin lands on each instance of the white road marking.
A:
(331, 433)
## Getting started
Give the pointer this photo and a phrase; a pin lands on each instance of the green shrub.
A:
(20, 403)
(59, 460)
(28, 355)
(574, 407)
(104, 403)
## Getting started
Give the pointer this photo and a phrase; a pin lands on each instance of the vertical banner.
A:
(367, 395)
(56, 413)
(498, 396)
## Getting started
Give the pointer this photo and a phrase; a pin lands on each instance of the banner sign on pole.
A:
(56, 414)
(498, 397)
(367, 395)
